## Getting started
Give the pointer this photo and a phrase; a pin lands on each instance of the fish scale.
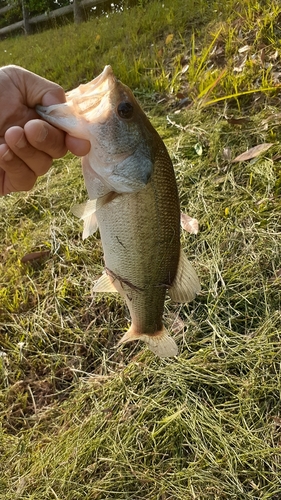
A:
(141, 231)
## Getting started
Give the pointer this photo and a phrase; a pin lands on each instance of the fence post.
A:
(79, 12)
(25, 16)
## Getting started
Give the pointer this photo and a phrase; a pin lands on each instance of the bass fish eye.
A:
(125, 110)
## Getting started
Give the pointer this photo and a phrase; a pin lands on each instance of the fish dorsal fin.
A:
(186, 284)
(160, 343)
(104, 284)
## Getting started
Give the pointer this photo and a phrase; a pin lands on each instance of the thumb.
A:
(34, 88)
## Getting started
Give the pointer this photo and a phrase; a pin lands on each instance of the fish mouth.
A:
(87, 104)
(87, 97)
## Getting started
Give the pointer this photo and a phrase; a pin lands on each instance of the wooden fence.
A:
(77, 7)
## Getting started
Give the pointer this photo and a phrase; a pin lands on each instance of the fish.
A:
(133, 200)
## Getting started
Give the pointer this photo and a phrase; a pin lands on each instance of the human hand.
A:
(28, 145)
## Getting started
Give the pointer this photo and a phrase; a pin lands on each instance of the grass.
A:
(81, 419)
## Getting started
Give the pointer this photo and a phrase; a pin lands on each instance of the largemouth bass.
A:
(133, 199)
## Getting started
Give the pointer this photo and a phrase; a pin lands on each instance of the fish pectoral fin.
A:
(90, 226)
(83, 210)
(104, 284)
(86, 211)
(160, 343)
(186, 284)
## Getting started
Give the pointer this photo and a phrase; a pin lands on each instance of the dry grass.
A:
(81, 419)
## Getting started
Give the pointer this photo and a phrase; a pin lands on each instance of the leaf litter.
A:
(253, 152)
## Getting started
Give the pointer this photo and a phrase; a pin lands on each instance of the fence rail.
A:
(62, 11)
(5, 9)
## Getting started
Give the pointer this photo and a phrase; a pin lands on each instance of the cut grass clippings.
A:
(81, 418)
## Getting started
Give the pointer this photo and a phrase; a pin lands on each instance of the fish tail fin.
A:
(159, 343)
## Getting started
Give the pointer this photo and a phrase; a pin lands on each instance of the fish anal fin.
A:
(104, 284)
(186, 284)
(160, 343)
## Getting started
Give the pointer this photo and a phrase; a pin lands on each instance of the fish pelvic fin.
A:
(104, 284)
(186, 284)
(160, 343)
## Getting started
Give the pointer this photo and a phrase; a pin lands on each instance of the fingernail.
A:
(8, 156)
(22, 142)
(42, 134)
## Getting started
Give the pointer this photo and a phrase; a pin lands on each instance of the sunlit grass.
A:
(81, 418)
